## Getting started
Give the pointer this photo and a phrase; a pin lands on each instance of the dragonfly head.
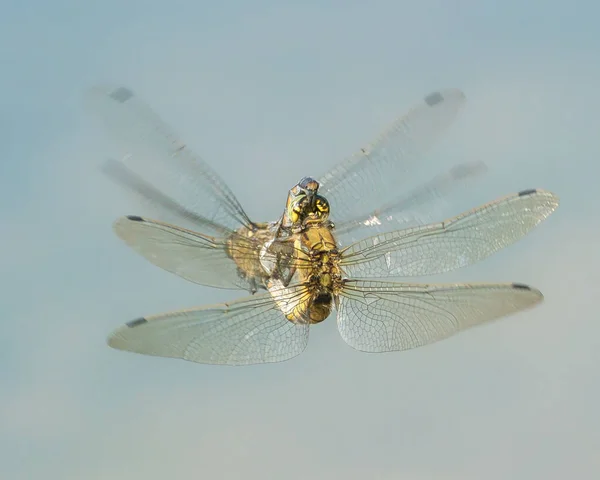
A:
(308, 185)
(305, 205)
(305, 191)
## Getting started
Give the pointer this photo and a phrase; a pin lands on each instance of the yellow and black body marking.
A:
(318, 277)
(301, 246)
(304, 206)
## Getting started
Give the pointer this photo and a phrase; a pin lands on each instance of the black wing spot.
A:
(137, 322)
(524, 193)
(135, 218)
(521, 286)
(434, 98)
(121, 94)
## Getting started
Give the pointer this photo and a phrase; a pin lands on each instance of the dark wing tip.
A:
(465, 170)
(137, 322)
(121, 94)
(521, 286)
(530, 191)
(434, 98)
(533, 294)
(135, 218)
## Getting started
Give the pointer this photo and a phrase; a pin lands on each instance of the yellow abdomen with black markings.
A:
(317, 279)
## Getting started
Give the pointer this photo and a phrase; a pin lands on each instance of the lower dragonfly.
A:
(372, 315)
(299, 259)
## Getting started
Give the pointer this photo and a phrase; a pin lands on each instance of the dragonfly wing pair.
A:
(156, 157)
(373, 317)
(364, 184)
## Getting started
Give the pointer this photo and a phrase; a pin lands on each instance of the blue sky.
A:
(268, 92)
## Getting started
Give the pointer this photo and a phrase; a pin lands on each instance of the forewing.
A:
(409, 208)
(155, 153)
(457, 242)
(385, 316)
(373, 176)
(195, 257)
(249, 331)
(167, 209)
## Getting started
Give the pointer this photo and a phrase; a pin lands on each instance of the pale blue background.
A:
(269, 92)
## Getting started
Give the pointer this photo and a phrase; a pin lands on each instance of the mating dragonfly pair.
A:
(297, 268)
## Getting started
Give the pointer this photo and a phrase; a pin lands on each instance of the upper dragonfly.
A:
(215, 243)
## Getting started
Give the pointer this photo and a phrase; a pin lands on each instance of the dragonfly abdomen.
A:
(319, 273)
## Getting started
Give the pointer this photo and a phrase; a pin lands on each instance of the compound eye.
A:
(322, 204)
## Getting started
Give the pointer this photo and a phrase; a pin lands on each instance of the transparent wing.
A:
(457, 242)
(162, 206)
(373, 176)
(193, 256)
(155, 153)
(249, 331)
(385, 316)
(408, 208)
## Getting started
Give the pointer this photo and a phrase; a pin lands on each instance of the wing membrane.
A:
(385, 316)
(372, 176)
(403, 209)
(458, 242)
(166, 208)
(155, 153)
(249, 331)
(195, 257)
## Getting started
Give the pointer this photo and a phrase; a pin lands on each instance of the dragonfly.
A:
(299, 259)
(162, 172)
